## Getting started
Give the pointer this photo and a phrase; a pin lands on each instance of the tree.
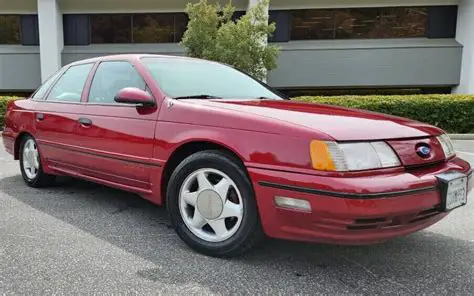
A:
(212, 34)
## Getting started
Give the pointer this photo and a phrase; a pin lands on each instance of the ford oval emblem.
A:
(423, 151)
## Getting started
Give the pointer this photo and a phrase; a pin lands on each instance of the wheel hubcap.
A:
(30, 159)
(211, 205)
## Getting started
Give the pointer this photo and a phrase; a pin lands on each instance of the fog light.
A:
(293, 203)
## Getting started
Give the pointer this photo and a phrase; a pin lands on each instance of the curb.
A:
(462, 137)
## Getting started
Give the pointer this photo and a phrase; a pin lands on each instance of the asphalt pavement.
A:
(81, 238)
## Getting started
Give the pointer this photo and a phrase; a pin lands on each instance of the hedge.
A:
(452, 113)
(3, 108)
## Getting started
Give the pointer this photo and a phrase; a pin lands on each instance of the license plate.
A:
(457, 194)
(453, 189)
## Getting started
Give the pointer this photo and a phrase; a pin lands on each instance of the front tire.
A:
(212, 205)
(31, 166)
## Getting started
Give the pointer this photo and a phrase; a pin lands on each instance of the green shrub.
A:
(3, 108)
(452, 113)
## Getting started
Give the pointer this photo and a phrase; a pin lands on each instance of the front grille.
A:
(395, 221)
(426, 215)
(365, 224)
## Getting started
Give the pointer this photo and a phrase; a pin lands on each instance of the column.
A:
(464, 35)
(51, 36)
(253, 3)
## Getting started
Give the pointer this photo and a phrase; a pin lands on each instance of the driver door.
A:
(117, 139)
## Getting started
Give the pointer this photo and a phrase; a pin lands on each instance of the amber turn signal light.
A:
(321, 156)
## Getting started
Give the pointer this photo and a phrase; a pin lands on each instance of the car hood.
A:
(342, 124)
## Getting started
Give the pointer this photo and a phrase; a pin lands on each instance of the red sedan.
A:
(233, 160)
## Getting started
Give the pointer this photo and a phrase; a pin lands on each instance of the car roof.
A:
(128, 57)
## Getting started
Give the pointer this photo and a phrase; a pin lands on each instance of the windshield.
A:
(187, 77)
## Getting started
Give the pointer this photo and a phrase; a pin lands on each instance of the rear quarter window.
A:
(43, 89)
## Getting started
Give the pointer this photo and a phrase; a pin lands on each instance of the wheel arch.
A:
(188, 148)
(17, 145)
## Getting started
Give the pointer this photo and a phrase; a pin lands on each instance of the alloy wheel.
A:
(30, 159)
(211, 205)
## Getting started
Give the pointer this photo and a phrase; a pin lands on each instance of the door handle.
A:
(39, 117)
(85, 121)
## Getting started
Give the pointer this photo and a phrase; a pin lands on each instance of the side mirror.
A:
(135, 96)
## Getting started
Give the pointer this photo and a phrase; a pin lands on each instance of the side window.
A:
(43, 89)
(111, 77)
(69, 87)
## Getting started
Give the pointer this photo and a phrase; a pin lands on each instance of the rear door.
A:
(57, 115)
(117, 138)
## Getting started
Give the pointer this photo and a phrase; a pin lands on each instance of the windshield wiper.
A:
(264, 98)
(202, 97)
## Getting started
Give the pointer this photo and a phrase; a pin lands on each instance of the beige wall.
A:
(18, 6)
(295, 4)
(97, 6)
(85, 6)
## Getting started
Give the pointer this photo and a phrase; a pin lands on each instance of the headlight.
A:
(447, 145)
(342, 157)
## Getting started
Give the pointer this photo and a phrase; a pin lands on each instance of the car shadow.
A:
(411, 265)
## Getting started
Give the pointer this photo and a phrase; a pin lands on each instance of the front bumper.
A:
(353, 210)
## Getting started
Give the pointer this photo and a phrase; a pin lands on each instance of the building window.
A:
(359, 23)
(312, 24)
(159, 27)
(442, 21)
(138, 28)
(29, 29)
(153, 28)
(76, 29)
(180, 26)
(111, 28)
(10, 26)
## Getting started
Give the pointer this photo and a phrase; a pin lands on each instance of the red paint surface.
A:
(406, 151)
(128, 148)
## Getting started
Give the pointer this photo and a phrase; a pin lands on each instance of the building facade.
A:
(325, 44)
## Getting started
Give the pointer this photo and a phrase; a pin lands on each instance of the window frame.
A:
(91, 80)
(64, 71)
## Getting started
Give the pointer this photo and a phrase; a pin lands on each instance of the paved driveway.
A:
(83, 238)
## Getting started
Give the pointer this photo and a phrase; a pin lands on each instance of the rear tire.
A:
(219, 219)
(31, 166)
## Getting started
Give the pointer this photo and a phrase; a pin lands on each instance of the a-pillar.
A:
(51, 36)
